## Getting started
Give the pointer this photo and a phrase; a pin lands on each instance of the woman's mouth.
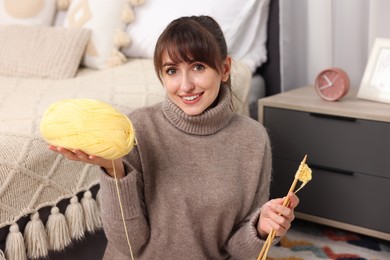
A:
(191, 99)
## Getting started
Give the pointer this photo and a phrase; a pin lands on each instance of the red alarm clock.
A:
(332, 84)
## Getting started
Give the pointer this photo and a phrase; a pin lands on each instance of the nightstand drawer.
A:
(338, 143)
(356, 199)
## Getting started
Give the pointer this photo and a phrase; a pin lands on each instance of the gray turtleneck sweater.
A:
(194, 186)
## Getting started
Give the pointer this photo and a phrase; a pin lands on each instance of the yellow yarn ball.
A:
(89, 125)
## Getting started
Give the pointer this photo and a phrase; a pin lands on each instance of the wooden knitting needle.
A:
(303, 174)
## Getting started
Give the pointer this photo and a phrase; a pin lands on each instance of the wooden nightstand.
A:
(348, 148)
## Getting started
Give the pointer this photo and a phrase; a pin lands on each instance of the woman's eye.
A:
(199, 67)
(170, 71)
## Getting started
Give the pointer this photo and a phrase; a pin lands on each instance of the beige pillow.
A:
(44, 52)
(31, 12)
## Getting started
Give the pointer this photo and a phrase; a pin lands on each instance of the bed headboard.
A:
(270, 70)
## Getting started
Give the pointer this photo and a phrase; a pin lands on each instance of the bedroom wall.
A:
(323, 33)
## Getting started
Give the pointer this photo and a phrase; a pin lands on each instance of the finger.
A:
(294, 200)
(68, 153)
(93, 157)
(279, 229)
(60, 150)
(282, 210)
(53, 148)
(283, 220)
(277, 201)
(80, 154)
(269, 206)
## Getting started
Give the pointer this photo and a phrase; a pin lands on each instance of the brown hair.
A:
(192, 38)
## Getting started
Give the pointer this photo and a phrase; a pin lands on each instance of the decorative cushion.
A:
(244, 24)
(31, 12)
(107, 22)
(39, 51)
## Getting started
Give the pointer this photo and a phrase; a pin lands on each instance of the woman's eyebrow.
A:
(168, 64)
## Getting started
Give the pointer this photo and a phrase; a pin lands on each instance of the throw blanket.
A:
(31, 176)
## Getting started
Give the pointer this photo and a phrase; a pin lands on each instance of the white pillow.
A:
(107, 21)
(33, 12)
(244, 24)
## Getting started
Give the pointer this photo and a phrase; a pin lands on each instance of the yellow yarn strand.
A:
(122, 214)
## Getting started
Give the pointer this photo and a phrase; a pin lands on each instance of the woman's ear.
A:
(226, 68)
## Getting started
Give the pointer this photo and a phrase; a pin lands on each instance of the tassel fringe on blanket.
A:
(60, 230)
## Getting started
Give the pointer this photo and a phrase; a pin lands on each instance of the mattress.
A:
(31, 176)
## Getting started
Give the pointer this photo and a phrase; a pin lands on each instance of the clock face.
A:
(332, 84)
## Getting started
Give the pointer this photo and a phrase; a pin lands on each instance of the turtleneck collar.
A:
(209, 122)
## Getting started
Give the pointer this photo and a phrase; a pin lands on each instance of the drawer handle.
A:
(343, 118)
(335, 170)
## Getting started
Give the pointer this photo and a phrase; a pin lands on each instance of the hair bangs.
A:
(190, 46)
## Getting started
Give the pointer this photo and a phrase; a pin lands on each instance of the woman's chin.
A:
(193, 111)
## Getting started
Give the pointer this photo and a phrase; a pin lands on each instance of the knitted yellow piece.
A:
(91, 126)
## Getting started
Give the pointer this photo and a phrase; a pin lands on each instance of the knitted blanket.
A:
(31, 176)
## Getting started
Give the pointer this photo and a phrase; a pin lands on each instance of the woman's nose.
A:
(186, 84)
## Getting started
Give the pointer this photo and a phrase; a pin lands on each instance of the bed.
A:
(35, 180)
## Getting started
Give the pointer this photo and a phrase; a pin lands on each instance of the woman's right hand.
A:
(80, 156)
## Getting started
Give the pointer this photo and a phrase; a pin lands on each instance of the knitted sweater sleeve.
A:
(245, 242)
(131, 193)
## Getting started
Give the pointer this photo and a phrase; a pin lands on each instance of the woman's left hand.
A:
(276, 216)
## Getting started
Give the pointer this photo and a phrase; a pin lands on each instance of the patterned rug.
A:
(310, 241)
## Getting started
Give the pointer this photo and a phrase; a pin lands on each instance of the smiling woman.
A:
(191, 162)
(186, 163)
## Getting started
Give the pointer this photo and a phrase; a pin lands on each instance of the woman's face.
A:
(192, 86)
